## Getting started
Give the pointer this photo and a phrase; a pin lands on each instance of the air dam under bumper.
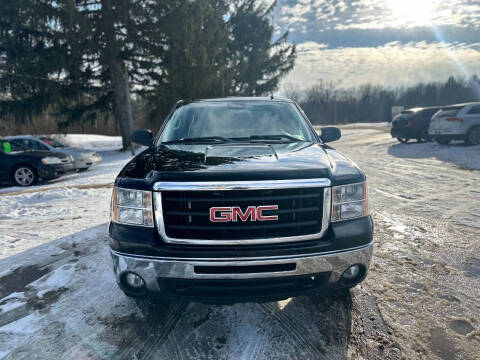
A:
(162, 275)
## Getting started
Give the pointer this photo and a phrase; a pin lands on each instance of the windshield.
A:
(449, 111)
(52, 142)
(235, 120)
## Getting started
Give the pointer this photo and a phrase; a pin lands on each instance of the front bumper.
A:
(54, 171)
(407, 132)
(181, 278)
(84, 162)
(449, 136)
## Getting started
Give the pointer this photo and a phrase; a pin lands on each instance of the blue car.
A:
(22, 166)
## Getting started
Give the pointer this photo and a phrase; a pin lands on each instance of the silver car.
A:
(456, 122)
(83, 158)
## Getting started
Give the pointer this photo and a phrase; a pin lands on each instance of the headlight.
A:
(132, 207)
(349, 201)
(50, 160)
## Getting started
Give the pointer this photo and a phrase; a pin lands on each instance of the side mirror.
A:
(142, 137)
(330, 133)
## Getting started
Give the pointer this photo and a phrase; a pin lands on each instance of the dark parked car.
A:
(239, 199)
(413, 124)
(24, 167)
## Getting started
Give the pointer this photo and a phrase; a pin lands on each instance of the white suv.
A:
(456, 122)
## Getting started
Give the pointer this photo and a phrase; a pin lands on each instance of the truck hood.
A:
(237, 162)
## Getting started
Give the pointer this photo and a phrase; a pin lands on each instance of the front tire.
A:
(473, 136)
(24, 175)
(443, 141)
(403, 140)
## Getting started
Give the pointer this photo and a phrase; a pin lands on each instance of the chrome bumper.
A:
(152, 268)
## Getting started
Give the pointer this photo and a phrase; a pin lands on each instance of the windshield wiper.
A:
(276, 137)
(199, 140)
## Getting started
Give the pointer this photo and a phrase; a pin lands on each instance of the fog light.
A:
(352, 272)
(134, 281)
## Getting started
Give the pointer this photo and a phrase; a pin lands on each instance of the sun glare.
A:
(412, 12)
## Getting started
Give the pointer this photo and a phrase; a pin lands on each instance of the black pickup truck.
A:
(238, 199)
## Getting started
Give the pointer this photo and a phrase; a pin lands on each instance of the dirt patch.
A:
(461, 326)
(370, 335)
(442, 345)
(221, 341)
(19, 278)
(43, 303)
(448, 297)
(472, 267)
(138, 335)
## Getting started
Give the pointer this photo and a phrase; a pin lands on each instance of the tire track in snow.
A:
(178, 346)
(156, 332)
(261, 344)
(171, 321)
(262, 339)
(291, 328)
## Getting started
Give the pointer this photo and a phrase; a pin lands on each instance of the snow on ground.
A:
(92, 142)
(60, 207)
(31, 219)
(457, 153)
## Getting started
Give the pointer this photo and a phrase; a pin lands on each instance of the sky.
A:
(382, 42)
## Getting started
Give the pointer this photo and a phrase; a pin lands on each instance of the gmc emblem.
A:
(233, 213)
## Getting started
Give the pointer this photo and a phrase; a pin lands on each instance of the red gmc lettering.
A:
(249, 213)
(261, 217)
(225, 214)
(252, 213)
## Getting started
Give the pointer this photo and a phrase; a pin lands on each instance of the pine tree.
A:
(33, 47)
(85, 58)
(220, 48)
(257, 62)
(194, 65)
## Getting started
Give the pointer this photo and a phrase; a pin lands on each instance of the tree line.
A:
(325, 103)
(84, 59)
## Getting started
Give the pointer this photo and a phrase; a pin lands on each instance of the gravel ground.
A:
(58, 298)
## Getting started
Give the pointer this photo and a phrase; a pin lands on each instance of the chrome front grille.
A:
(182, 211)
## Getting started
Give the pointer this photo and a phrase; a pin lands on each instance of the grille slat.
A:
(186, 213)
(243, 227)
(213, 199)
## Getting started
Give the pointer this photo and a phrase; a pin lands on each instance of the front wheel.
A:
(443, 141)
(403, 140)
(473, 136)
(24, 175)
